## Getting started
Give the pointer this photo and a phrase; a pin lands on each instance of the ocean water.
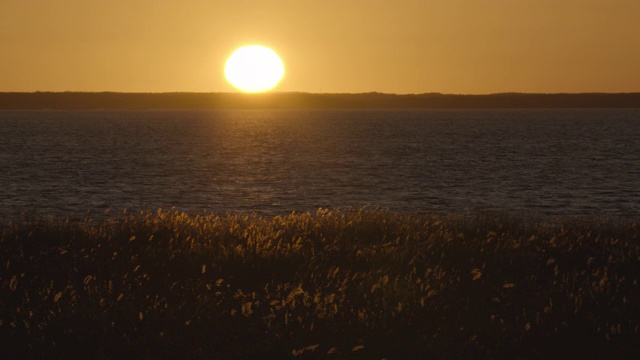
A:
(541, 162)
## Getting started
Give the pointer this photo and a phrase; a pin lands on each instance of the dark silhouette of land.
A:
(296, 100)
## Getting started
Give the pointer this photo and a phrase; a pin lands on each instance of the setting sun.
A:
(254, 68)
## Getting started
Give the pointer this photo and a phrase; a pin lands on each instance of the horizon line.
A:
(312, 93)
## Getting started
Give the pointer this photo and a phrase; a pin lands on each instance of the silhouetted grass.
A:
(362, 283)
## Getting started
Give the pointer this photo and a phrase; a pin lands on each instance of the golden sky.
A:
(345, 46)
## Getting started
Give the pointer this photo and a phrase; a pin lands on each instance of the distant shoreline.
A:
(298, 100)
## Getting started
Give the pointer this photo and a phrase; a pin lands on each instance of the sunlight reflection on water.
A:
(564, 162)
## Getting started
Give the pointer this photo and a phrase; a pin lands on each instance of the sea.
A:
(560, 162)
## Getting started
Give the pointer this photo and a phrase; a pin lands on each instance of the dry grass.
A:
(364, 283)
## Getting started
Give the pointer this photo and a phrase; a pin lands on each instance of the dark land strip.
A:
(297, 100)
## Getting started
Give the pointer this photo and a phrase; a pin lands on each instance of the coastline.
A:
(296, 100)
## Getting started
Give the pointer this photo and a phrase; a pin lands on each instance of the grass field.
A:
(352, 283)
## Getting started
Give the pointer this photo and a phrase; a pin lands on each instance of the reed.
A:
(346, 283)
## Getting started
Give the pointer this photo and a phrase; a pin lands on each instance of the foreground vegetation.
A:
(361, 283)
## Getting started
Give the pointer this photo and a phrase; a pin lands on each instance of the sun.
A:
(254, 69)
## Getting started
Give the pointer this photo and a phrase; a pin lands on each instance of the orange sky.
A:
(346, 46)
